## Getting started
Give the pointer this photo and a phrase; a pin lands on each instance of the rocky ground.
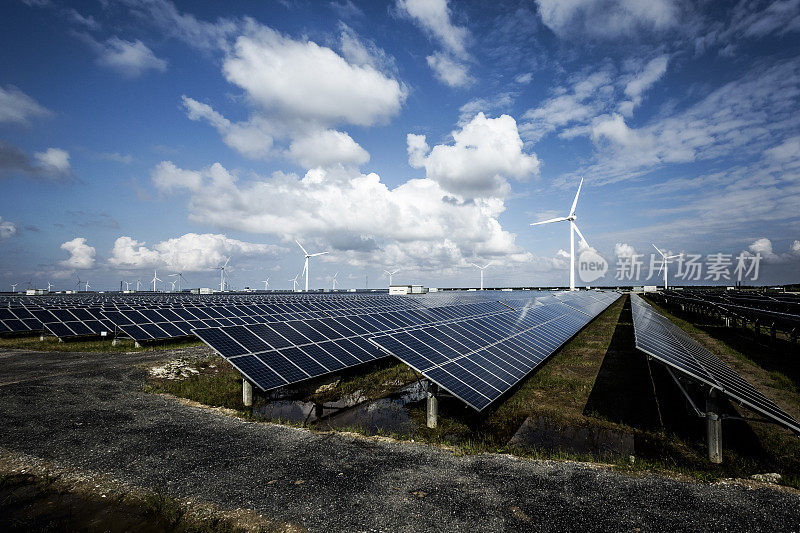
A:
(88, 412)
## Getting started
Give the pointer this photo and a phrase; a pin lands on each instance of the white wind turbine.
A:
(305, 268)
(664, 263)
(335, 280)
(87, 286)
(294, 282)
(127, 285)
(178, 277)
(481, 268)
(266, 283)
(392, 273)
(155, 278)
(138, 284)
(573, 228)
(222, 274)
(173, 285)
(49, 286)
(14, 287)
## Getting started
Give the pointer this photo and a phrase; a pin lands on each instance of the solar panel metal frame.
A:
(732, 379)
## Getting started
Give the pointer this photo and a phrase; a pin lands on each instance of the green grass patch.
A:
(217, 386)
(52, 344)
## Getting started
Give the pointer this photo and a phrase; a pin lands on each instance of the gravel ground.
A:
(88, 411)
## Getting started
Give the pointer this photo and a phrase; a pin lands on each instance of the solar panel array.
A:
(659, 338)
(479, 359)
(277, 354)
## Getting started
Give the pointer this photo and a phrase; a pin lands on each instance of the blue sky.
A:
(413, 135)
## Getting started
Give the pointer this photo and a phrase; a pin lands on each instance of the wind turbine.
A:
(14, 287)
(334, 281)
(155, 278)
(49, 286)
(664, 263)
(127, 285)
(392, 273)
(178, 277)
(222, 274)
(173, 285)
(481, 268)
(266, 283)
(138, 284)
(573, 228)
(294, 282)
(87, 286)
(305, 268)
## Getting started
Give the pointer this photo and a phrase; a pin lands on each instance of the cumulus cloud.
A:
(622, 249)
(129, 58)
(484, 154)
(18, 107)
(578, 19)
(252, 138)
(433, 16)
(7, 229)
(763, 246)
(324, 148)
(358, 216)
(81, 255)
(53, 160)
(304, 80)
(191, 252)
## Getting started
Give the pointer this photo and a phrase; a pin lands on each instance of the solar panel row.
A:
(659, 338)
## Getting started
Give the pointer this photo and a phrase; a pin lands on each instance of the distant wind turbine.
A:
(308, 255)
(222, 274)
(266, 283)
(87, 286)
(573, 228)
(294, 282)
(49, 286)
(482, 268)
(392, 273)
(138, 284)
(335, 280)
(664, 262)
(127, 285)
(173, 285)
(14, 287)
(155, 278)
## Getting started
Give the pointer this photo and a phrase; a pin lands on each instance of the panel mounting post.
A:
(713, 428)
(433, 405)
(247, 392)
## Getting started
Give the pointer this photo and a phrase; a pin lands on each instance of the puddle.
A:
(379, 416)
(543, 433)
(352, 411)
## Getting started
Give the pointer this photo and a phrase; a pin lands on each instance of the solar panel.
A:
(659, 338)
(480, 359)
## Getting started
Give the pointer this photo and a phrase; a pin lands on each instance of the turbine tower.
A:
(573, 228)
(153, 281)
(664, 262)
(49, 286)
(14, 287)
(87, 286)
(266, 283)
(178, 277)
(392, 273)
(138, 284)
(294, 283)
(222, 274)
(334, 281)
(173, 285)
(305, 268)
(481, 268)
(127, 285)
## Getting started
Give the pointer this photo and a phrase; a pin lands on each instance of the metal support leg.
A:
(433, 405)
(714, 429)
(136, 344)
(247, 393)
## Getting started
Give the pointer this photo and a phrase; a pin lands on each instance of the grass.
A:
(217, 384)
(51, 344)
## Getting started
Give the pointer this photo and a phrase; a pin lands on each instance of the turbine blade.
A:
(559, 219)
(575, 201)
(575, 227)
(301, 246)
(657, 250)
(316, 254)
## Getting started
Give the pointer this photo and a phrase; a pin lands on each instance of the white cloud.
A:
(788, 150)
(577, 19)
(130, 58)
(253, 138)
(417, 150)
(449, 71)
(81, 255)
(191, 252)
(434, 17)
(53, 160)
(498, 102)
(324, 148)
(18, 107)
(763, 246)
(362, 52)
(639, 83)
(7, 229)
(622, 249)
(305, 81)
(486, 152)
(524, 79)
(355, 215)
